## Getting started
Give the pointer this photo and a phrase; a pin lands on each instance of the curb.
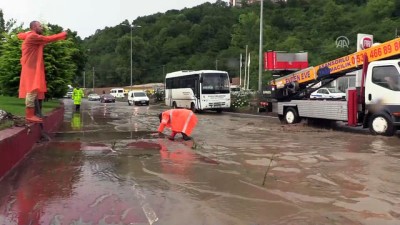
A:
(17, 142)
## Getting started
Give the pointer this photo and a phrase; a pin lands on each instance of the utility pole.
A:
(248, 72)
(93, 79)
(163, 70)
(260, 56)
(131, 54)
(245, 69)
(84, 79)
(240, 71)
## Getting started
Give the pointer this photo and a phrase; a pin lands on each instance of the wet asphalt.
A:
(104, 166)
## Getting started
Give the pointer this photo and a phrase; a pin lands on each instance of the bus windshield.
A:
(215, 83)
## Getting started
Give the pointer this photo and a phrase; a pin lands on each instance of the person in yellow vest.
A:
(179, 121)
(77, 96)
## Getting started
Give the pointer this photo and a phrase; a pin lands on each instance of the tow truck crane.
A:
(374, 105)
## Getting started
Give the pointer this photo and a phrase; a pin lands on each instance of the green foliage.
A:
(177, 40)
(378, 9)
(10, 66)
(2, 22)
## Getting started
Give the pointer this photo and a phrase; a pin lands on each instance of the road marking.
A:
(148, 211)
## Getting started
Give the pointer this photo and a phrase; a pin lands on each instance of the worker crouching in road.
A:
(179, 121)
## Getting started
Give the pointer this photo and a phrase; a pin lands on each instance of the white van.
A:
(117, 92)
(138, 98)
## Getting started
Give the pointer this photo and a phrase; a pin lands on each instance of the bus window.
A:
(215, 83)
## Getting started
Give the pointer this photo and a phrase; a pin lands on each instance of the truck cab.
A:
(382, 96)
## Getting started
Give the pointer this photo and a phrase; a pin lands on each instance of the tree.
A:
(2, 22)
(380, 8)
(10, 66)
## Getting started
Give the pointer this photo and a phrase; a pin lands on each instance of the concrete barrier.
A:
(17, 142)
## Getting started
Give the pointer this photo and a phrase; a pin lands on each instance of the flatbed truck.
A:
(375, 104)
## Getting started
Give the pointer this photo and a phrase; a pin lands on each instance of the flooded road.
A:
(105, 167)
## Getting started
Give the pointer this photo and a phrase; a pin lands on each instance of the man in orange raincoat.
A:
(179, 121)
(33, 82)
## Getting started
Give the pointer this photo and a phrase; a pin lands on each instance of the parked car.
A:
(107, 98)
(68, 94)
(328, 93)
(138, 97)
(93, 97)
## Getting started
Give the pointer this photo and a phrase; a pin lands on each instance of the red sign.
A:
(285, 61)
(366, 43)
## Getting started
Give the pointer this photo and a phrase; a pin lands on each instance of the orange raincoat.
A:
(179, 120)
(32, 73)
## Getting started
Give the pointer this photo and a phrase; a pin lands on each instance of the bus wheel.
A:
(291, 116)
(219, 110)
(381, 124)
(192, 107)
(174, 105)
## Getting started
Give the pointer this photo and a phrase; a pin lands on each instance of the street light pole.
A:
(260, 58)
(84, 79)
(93, 79)
(131, 54)
(131, 26)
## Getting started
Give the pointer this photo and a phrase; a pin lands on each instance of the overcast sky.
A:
(86, 16)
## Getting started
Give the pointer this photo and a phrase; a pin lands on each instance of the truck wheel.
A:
(291, 116)
(381, 124)
(129, 102)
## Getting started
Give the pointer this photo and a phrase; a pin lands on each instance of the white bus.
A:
(198, 90)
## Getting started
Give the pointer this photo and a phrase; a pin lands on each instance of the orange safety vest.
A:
(178, 120)
(32, 73)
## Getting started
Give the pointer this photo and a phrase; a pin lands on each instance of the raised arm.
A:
(40, 39)
(164, 122)
(22, 36)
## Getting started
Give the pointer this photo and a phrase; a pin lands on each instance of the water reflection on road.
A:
(105, 167)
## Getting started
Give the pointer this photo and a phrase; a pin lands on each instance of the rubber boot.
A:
(185, 137)
(30, 115)
(172, 137)
(38, 108)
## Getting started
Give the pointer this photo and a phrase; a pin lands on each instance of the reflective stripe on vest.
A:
(187, 122)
